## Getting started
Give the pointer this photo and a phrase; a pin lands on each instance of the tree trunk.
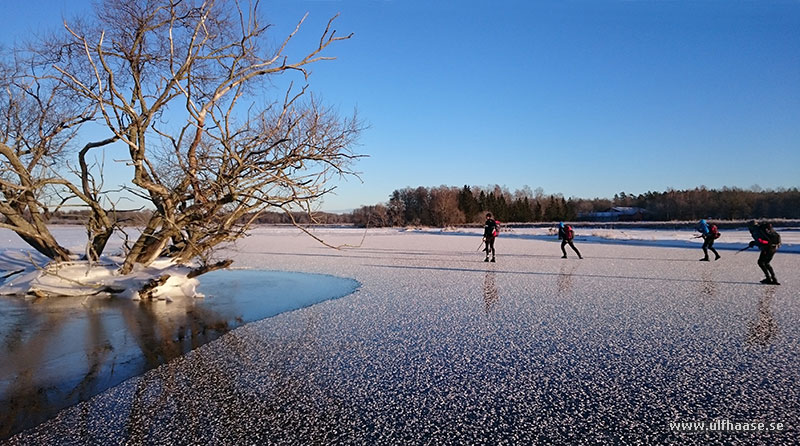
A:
(208, 268)
(140, 244)
(98, 244)
(149, 288)
(48, 246)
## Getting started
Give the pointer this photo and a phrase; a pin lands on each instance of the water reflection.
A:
(763, 329)
(565, 277)
(708, 287)
(490, 295)
(59, 351)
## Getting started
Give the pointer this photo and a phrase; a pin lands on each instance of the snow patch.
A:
(26, 273)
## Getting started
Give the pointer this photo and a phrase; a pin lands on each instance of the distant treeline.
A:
(446, 206)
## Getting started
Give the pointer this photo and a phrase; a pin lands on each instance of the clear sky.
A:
(585, 98)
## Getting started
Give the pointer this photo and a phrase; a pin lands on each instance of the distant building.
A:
(618, 213)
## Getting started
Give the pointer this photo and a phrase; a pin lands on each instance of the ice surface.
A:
(437, 347)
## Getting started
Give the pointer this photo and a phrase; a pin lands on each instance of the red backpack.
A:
(570, 233)
(714, 232)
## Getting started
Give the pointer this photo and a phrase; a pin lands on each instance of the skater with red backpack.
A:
(566, 234)
(709, 233)
(490, 228)
(768, 241)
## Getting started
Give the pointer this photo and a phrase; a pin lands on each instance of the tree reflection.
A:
(68, 349)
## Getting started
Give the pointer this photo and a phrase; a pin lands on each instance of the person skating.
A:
(768, 240)
(566, 235)
(709, 234)
(490, 227)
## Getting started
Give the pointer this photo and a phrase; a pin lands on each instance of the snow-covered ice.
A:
(437, 347)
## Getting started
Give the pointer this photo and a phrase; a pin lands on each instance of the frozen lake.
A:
(438, 347)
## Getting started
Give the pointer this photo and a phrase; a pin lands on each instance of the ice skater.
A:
(768, 240)
(709, 234)
(566, 235)
(490, 227)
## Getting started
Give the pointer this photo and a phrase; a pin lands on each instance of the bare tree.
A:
(37, 124)
(444, 206)
(181, 83)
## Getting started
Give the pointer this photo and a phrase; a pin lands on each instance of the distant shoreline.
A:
(670, 224)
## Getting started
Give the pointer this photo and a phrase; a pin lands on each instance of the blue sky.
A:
(584, 98)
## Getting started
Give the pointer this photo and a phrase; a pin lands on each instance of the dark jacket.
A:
(490, 228)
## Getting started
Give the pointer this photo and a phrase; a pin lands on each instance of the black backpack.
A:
(770, 235)
(773, 237)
